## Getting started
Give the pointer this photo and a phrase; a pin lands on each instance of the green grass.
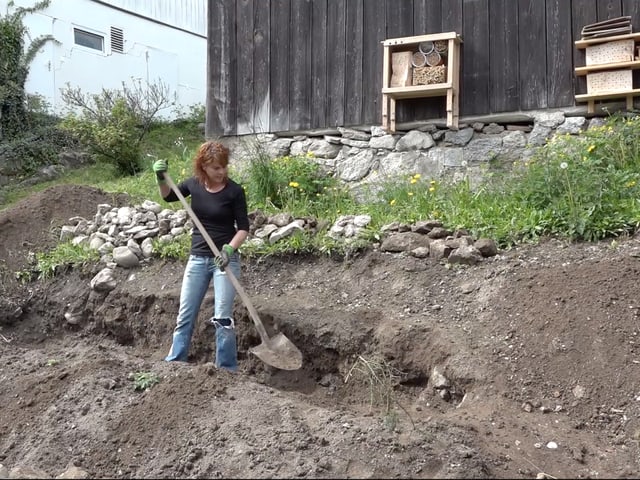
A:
(578, 188)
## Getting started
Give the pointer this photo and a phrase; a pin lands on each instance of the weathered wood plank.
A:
(532, 54)
(452, 16)
(300, 65)
(354, 48)
(221, 48)
(504, 88)
(474, 96)
(319, 58)
(632, 9)
(373, 35)
(559, 54)
(244, 39)
(261, 66)
(291, 65)
(609, 9)
(399, 14)
(584, 12)
(427, 19)
(279, 72)
(336, 62)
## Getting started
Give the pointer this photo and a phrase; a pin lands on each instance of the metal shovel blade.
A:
(279, 352)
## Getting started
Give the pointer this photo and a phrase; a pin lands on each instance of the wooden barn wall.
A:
(289, 65)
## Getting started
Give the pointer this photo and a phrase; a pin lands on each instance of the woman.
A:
(220, 205)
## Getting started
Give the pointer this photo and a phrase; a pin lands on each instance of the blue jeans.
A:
(195, 282)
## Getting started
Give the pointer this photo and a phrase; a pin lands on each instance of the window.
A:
(117, 40)
(87, 39)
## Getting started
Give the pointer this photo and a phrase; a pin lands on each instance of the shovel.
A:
(277, 351)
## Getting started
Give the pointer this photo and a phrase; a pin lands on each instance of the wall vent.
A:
(117, 40)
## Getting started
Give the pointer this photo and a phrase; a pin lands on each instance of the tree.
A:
(15, 61)
(113, 123)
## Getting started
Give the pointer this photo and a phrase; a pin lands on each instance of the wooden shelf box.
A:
(610, 62)
(397, 51)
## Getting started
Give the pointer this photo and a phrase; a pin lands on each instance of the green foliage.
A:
(295, 184)
(576, 187)
(39, 146)
(586, 187)
(113, 123)
(15, 61)
(143, 380)
(177, 249)
(65, 255)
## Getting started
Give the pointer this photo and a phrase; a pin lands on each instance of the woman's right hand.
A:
(160, 167)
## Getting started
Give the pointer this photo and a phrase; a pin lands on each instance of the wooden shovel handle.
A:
(234, 281)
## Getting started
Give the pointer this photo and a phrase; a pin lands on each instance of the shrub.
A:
(113, 123)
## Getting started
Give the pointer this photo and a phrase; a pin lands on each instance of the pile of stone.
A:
(125, 236)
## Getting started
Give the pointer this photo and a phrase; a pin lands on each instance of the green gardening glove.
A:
(160, 167)
(226, 252)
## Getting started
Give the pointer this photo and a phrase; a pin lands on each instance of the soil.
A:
(526, 365)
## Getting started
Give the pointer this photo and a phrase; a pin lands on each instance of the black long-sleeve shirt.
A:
(222, 214)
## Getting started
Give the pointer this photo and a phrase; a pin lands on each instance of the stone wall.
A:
(363, 156)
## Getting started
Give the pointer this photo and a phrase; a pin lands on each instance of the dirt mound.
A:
(32, 225)
(525, 364)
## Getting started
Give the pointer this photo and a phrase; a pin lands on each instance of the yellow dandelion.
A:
(631, 183)
(413, 180)
(432, 189)
(417, 176)
(294, 184)
(392, 202)
(591, 148)
(311, 154)
(410, 194)
(432, 182)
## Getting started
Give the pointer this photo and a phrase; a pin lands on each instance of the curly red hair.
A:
(209, 152)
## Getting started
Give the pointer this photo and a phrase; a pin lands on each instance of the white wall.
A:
(152, 50)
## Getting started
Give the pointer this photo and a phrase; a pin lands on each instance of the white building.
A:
(103, 43)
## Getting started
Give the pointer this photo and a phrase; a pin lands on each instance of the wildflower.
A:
(432, 182)
(432, 189)
(310, 154)
(413, 180)
(410, 194)
(591, 148)
(417, 176)
(392, 202)
(294, 184)
(563, 165)
(631, 183)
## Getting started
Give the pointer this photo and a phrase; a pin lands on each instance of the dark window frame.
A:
(88, 39)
